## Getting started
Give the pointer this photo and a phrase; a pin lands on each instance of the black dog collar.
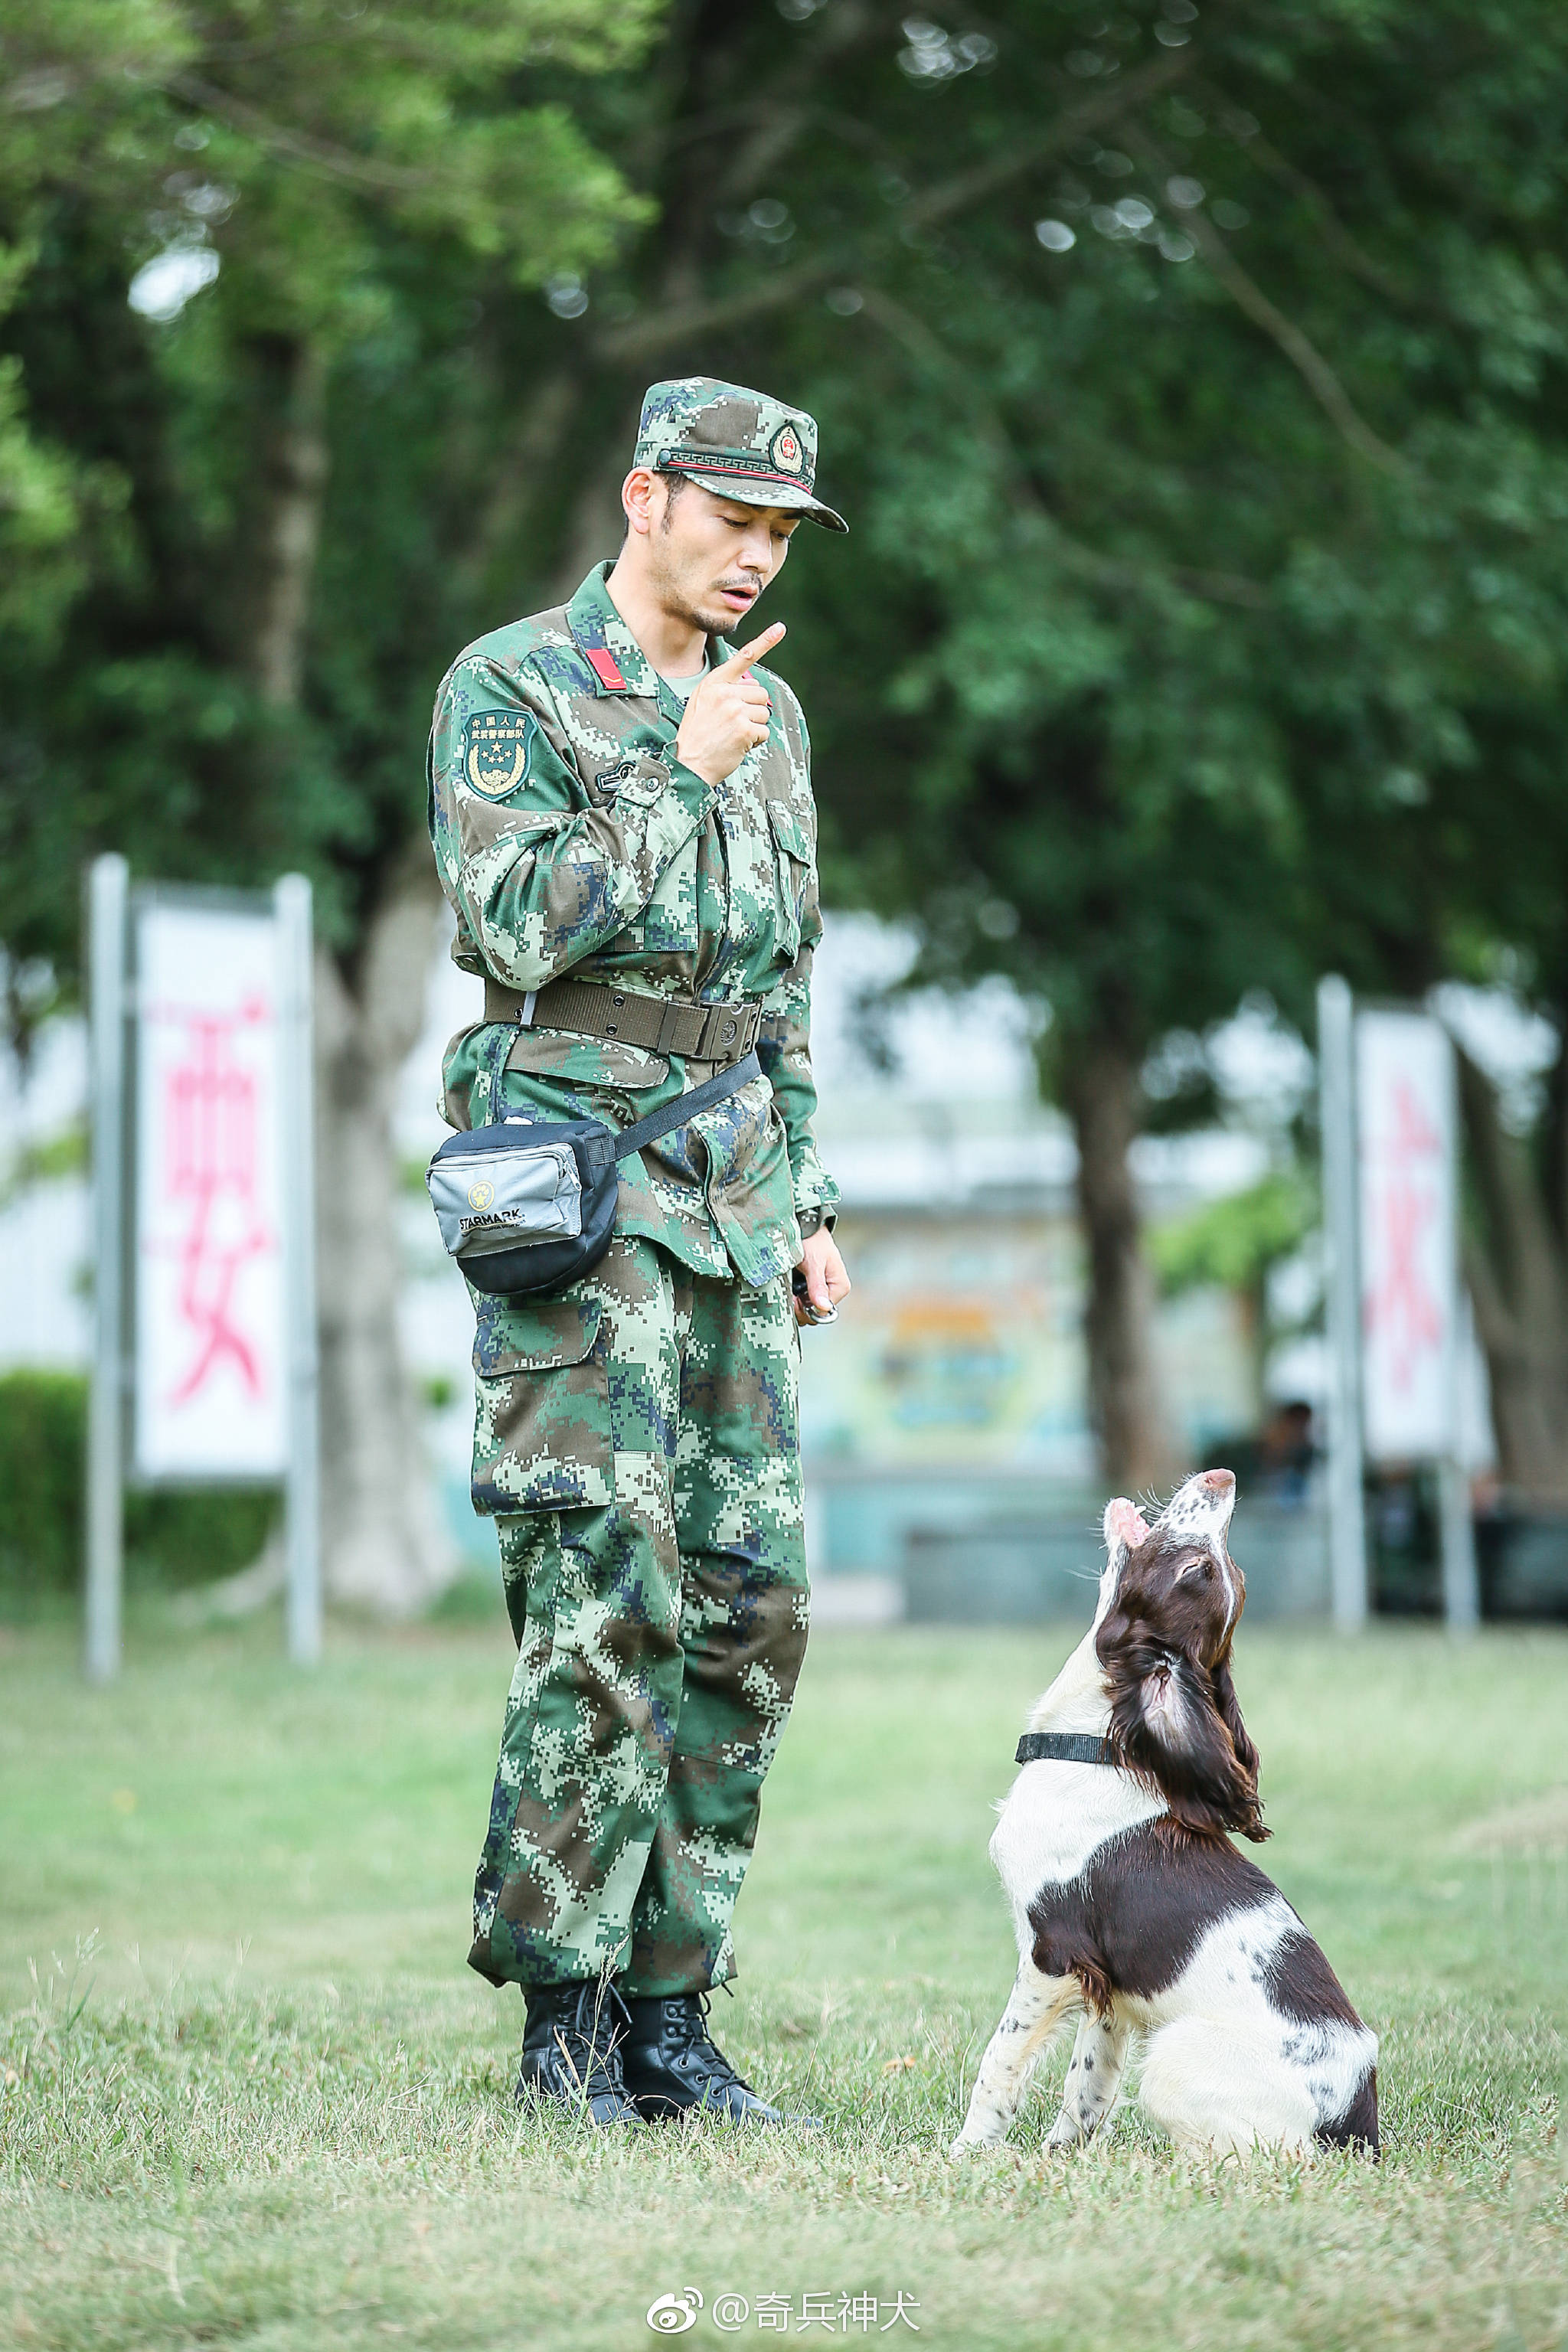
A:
(1064, 1747)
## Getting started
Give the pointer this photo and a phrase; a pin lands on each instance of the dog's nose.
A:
(1219, 1482)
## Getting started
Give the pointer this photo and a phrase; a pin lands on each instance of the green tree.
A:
(1193, 385)
(240, 681)
(1237, 1243)
(41, 500)
(1506, 802)
(802, 240)
(1192, 380)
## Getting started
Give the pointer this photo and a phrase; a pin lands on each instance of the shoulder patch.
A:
(496, 748)
(606, 667)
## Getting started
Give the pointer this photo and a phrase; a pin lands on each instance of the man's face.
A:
(710, 557)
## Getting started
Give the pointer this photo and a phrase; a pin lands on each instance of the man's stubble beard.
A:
(671, 586)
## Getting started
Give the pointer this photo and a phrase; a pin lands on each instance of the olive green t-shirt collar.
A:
(619, 663)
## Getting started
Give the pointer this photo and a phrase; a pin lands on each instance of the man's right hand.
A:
(728, 714)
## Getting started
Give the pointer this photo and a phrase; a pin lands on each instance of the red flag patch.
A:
(602, 662)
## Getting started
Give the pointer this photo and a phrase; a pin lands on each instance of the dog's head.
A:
(1169, 1601)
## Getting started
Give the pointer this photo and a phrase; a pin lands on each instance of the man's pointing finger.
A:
(739, 664)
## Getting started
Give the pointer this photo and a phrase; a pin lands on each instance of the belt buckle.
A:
(723, 1028)
(747, 1021)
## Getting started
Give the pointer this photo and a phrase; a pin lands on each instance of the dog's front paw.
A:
(971, 2142)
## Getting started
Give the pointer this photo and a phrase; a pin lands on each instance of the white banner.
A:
(1405, 1131)
(210, 1399)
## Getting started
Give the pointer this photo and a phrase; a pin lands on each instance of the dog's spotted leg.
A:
(1037, 2006)
(1094, 2078)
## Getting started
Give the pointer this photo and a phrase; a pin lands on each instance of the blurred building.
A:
(946, 1434)
(952, 1391)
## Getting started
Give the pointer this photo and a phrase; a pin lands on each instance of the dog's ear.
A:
(1230, 1716)
(1124, 1531)
(1169, 1724)
(1123, 1525)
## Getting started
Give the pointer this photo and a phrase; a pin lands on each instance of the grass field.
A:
(253, 2096)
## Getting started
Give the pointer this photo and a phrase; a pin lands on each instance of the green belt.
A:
(659, 1024)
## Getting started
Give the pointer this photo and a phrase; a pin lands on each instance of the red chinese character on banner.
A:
(1402, 1310)
(211, 1173)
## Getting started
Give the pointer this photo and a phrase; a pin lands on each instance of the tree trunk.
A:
(1518, 1275)
(290, 490)
(1099, 1088)
(384, 1545)
(381, 1542)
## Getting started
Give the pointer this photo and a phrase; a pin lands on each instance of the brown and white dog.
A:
(1133, 1907)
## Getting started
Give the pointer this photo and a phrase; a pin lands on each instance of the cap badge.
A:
(786, 452)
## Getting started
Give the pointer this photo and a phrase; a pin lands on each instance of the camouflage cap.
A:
(739, 443)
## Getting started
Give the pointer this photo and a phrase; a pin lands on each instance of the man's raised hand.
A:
(728, 713)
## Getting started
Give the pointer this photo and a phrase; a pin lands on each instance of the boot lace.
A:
(691, 2035)
(589, 2037)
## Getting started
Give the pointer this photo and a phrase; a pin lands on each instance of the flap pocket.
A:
(585, 1061)
(792, 860)
(543, 1438)
(788, 832)
(523, 1335)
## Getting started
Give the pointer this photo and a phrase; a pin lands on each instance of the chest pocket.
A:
(792, 863)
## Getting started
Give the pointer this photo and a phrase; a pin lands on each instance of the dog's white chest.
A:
(1056, 1818)
(1056, 1814)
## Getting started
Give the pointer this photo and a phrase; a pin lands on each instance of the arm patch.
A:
(497, 747)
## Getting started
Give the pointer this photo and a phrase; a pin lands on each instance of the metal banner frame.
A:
(1349, 1581)
(106, 940)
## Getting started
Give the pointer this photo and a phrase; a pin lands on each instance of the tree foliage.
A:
(1192, 380)
(348, 174)
(1235, 1241)
(1194, 384)
(311, 206)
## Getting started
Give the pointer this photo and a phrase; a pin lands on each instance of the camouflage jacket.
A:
(571, 839)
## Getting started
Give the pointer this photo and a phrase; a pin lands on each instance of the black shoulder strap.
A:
(1064, 1747)
(687, 1105)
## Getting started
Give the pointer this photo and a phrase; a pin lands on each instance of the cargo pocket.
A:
(541, 1421)
(792, 863)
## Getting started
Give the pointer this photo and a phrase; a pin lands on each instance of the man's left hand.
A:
(826, 1280)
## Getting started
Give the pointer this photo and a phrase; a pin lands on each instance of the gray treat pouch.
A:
(494, 1199)
(526, 1205)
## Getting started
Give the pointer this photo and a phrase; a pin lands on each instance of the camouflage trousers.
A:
(638, 1441)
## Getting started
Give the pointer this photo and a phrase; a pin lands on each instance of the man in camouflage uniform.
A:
(622, 812)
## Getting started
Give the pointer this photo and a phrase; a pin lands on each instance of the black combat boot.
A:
(673, 2065)
(572, 2050)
